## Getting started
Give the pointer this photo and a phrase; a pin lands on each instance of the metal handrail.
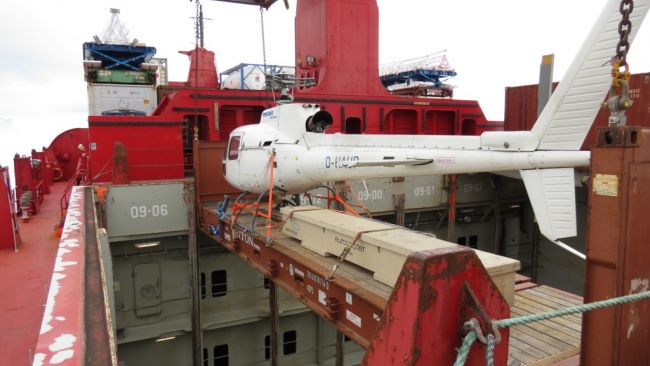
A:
(78, 177)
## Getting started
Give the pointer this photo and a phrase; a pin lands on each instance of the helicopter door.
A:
(231, 160)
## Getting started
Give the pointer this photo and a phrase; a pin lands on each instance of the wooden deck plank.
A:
(564, 335)
(554, 298)
(577, 326)
(553, 325)
(530, 353)
(546, 338)
(557, 358)
(542, 305)
(546, 342)
(518, 354)
(544, 349)
(515, 355)
(559, 294)
(546, 300)
(549, 300)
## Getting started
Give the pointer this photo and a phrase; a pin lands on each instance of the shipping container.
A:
(109, 99)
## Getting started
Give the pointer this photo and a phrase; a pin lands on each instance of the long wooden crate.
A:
(381, 248)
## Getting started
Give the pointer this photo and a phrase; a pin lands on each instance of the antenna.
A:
(199, 25)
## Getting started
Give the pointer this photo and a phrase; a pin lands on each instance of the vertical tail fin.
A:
(567, 118)
(569, 114)
(552, 195)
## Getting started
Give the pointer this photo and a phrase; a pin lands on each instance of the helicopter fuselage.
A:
(305, 159)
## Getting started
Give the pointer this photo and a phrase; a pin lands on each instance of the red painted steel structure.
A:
(26, 181)
(437, 292)
(203, 72)
(521, 108)
(337, 43)
(64, 152)
(8, 227)
(421, 323)
(617, 250)
(37, 173)
(154, 147)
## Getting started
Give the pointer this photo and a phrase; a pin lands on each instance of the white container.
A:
(114, 97)
(251, 77)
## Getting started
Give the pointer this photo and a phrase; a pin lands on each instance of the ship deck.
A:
(25, 281)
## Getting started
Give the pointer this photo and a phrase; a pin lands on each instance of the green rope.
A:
(489, 352)
(505, 323)
(463, 352)
(470, 338)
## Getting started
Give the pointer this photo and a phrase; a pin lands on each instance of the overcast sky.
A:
(492, 44)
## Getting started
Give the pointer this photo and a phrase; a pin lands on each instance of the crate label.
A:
(348, 298)
(606, 185)
(321, 297)
(352, 317)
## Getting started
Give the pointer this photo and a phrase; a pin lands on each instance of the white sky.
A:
(492, 44)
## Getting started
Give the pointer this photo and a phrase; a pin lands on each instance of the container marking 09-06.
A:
(146, 209)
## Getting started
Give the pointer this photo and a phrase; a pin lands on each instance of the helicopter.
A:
(304, 156)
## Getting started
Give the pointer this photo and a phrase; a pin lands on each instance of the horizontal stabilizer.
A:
(387, 162)
(552, 195)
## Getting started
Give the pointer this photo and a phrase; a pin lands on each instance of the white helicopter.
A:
(545, 156)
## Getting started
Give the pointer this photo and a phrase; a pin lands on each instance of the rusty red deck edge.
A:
(62, 330)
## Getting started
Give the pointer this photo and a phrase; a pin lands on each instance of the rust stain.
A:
(415, 356)
(415, 351)
(427, 295)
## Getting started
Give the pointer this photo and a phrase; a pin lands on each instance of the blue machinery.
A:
(117, 56)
